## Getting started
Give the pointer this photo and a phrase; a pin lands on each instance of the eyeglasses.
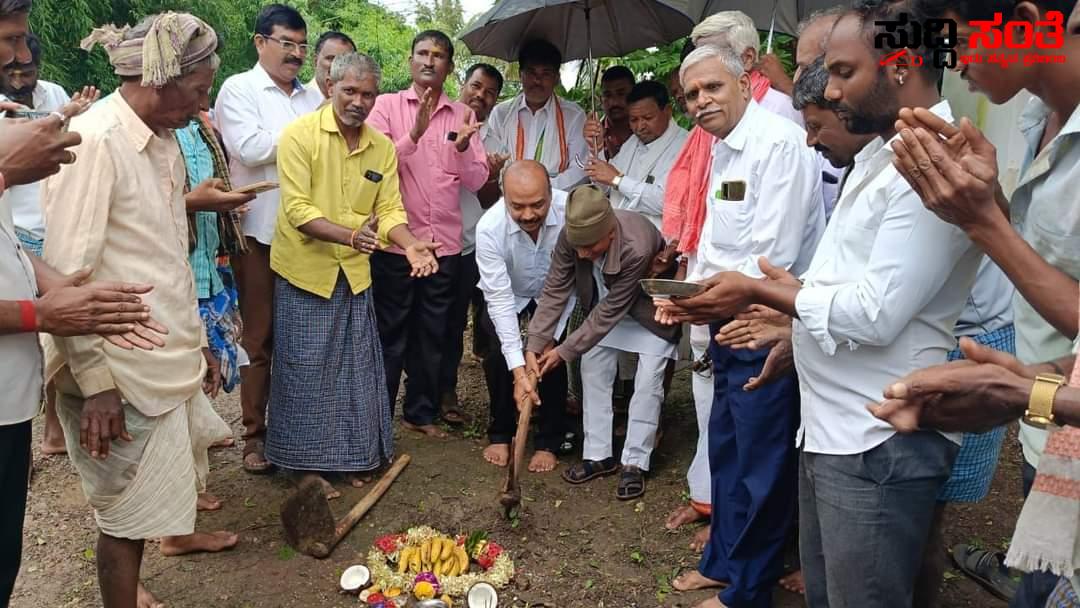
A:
(288, 45)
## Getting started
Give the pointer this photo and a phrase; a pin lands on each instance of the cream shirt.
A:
(128, 223)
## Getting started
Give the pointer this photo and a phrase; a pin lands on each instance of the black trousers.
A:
(500, 381)
(14, 477)
(466, 295)
(412, 315)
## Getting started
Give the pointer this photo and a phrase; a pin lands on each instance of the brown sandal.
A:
(256, 446)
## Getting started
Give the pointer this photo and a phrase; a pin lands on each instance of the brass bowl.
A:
(670, 289)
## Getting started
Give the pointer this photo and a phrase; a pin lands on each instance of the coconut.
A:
(355, 578)
(482, 595)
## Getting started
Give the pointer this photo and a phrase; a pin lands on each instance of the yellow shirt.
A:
(320, 178)
(120, 211)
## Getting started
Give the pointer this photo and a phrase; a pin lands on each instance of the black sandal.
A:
(587, 470)
(986, 568)
(631, 483)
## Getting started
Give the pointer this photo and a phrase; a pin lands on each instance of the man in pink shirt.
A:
(436, 157)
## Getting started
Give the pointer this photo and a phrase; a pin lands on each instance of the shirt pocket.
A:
(1060, 245)
(730, 220)
(361, 193)
(857, 244)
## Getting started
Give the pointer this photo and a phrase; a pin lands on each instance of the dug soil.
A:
(574, 546)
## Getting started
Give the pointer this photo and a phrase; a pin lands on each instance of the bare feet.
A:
(328, 489)
(207, 502)
(681, 516)
(712, 602)
(692, 580)
(208, 542)
(227, 442)
(357, 480)
(543, 461)
(794, 582)
(497, 454)
(145, 599)
(701, 538)
(426, 429)
(53, 446)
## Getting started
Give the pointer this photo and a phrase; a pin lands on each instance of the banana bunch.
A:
(440, 555)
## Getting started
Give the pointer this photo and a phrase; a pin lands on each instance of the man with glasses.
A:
(537, 124)
(252, 110)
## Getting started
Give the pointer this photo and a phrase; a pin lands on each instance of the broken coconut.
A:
(482, 595)
(355, 578)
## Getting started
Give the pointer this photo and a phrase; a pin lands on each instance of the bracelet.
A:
(28, 316)
(352, 238)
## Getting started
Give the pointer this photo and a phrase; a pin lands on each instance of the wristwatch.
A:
(615, 182)
(1040, 411)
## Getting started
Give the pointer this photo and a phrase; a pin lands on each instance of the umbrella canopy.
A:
(611, 27)
(788, 12)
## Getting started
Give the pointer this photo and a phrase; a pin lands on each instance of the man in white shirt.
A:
(763, 200)
(19, 83)
(539, 125)
(483, 84)
(638, 173)
(252, 110)
(880, 299)
(514, 243)
(329, 45)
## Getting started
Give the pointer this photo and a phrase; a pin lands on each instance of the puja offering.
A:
(669, 288)
(427, 565)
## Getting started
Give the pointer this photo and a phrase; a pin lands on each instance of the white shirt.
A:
(781, 217)
(20, 375)
(506, 117)
(780, 103)
(1044, 211)
(251, 112)
(513, 268)
(471, 209)
(628, 335)
(25, 200)
(645, 169)
(879, 301)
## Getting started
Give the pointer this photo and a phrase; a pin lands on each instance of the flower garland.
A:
(497, 566)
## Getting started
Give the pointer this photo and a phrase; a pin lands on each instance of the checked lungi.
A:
(329, 407)
(975, 464)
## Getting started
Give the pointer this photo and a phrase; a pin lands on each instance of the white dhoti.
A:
(701, 385)
(599, 367)
(148, 487)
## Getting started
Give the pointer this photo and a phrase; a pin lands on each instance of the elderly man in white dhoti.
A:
(137, 423)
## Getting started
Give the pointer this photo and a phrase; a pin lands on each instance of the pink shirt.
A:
(431, 170)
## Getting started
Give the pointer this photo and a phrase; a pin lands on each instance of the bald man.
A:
(514, 241)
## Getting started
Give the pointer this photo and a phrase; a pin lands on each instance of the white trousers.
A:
(598, 369)
(698, 477)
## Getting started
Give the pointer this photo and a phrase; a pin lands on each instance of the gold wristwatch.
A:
(1040, 412)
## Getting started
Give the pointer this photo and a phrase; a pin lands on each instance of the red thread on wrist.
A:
(28, 315)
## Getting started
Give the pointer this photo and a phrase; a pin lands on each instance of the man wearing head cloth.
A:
(138, 424)
(602, 254)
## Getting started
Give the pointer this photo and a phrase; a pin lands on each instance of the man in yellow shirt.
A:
(329, 406)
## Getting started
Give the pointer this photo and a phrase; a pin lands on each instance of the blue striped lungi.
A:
(975, 464)
(1063, 596)
(329, 407)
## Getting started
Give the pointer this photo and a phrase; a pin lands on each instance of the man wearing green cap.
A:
(601, 255)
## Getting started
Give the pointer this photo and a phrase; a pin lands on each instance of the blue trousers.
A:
(754, 466)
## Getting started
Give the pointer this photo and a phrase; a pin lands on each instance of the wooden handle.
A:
(361, 508)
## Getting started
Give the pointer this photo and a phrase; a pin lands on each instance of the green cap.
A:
(589, 216)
